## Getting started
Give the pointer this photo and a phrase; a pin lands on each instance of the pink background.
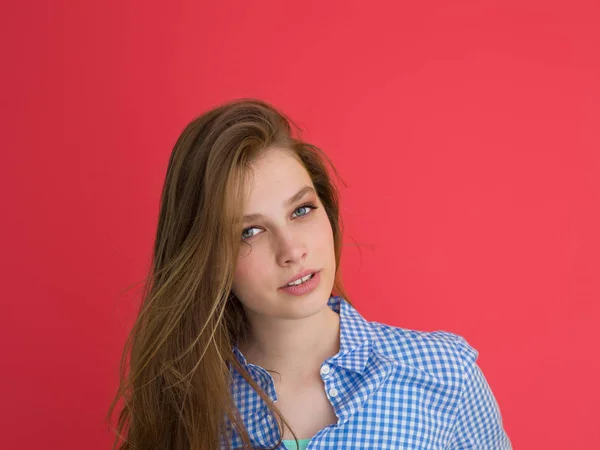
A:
(467, 133)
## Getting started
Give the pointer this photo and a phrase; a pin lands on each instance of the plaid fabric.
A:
(391, 388)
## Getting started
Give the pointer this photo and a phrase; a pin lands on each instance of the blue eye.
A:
(248, 229)
(306, 206)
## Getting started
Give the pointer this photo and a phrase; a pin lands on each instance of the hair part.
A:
(175, 367)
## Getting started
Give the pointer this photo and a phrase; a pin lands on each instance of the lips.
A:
(299, 275)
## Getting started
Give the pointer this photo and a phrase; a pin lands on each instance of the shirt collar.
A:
(356, 337)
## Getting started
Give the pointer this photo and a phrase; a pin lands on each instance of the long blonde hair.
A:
(176, 390)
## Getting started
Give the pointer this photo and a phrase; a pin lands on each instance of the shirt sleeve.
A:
(478, 422)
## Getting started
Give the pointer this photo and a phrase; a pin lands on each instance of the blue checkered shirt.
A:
(391, 388)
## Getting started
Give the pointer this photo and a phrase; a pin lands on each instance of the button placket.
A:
(326, 371)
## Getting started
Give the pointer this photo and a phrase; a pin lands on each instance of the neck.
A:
(293, 348)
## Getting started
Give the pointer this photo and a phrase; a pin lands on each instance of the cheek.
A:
(324, 233)
(242, 271)
(247, 271)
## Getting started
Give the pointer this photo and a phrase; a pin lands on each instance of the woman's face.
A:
(285, 236)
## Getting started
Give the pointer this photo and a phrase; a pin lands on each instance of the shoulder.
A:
(442, 354)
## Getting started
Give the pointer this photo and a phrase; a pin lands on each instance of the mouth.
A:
(304, 285)
(301, 278)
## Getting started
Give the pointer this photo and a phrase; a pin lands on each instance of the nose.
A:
(291, 249)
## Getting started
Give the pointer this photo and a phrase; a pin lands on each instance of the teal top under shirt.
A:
(291, 444)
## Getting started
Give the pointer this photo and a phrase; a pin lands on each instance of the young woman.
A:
(245, 337)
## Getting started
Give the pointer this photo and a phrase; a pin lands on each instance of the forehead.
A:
(275, 174)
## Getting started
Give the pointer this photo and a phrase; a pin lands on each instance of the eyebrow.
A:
(293, 199)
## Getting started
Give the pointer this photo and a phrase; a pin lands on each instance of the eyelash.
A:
(312, 206)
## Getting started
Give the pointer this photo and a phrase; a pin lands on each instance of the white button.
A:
(333, 392)
(325, 369)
